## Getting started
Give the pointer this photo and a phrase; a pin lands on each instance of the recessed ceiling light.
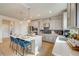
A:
(21, 22)
(31, 17)
(50, 11)
(38, 15)
(11, 23)
(28, 20)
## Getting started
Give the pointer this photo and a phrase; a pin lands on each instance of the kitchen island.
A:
(36, 42)
(61, 48)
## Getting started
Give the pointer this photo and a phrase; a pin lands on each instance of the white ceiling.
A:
(37, 10)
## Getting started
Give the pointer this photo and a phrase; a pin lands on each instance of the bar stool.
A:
(16, 41)
(11, 41)
(24, 44)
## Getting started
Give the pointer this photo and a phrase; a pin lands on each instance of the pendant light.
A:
(28, 20)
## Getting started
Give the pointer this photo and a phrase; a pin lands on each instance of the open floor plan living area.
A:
(39, 29)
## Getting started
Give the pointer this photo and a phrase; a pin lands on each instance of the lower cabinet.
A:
(50, 37)
(36, 44)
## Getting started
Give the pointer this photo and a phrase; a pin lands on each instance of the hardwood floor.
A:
(6, 50)
(46, 49)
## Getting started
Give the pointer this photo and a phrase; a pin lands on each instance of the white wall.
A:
(24, 27)
(6, 31)
(21, 27)
(16, 27)
(6, 27)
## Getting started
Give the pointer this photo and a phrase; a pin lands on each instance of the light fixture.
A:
(21, 22)
(28, 21)
(38, 15)
(50, 11)
(29, 17)
(11, 23)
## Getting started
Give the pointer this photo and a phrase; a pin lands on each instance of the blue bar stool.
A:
(16, 41)
(24, 44)
(12, 41)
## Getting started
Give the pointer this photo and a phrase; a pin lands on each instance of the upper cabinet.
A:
(77, 15)
(71, 15)
(68, 15)
(65, 20)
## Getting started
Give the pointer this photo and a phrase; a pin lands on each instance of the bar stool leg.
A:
(23, 51)
(10, 44)
(17, 47)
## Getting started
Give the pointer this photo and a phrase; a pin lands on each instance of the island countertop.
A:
(61, 48)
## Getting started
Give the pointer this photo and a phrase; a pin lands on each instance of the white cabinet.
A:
(64, 20)
(68, 16)
(50, 37)
(36, 44)
(77, 15)
(61, 48)
(71, 15)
